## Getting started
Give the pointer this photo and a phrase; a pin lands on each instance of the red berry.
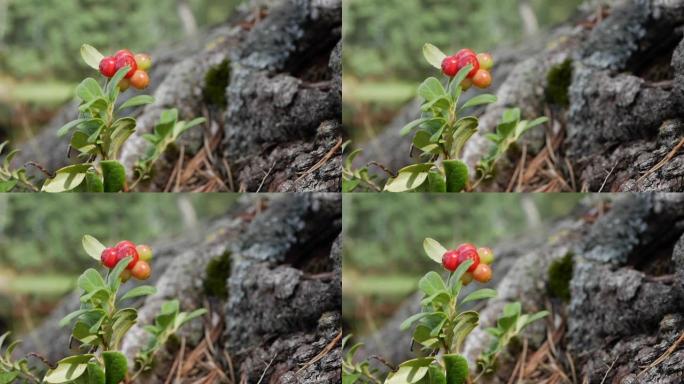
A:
(108, 66)
(464, 60)
(465, 52)
(126, 60)
(483, 273)
(142, 270)
(486, 60)
(108, 257)
(450, 66)
(124, 52)
(124, 243)
(450, 260)
(469, 254)
(140, 80)
(466, 246)
(127, 251)
(482, 79)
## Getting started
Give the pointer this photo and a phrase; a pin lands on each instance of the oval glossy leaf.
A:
(68, 369)
(68, 126)
(116, 367)
(89, 90)
(456, 369)
(406, 181)
(137, 101)
(415, 123)
(456, 173)
(143, 290)
(92, 246)
(480, 294)
(433, 55)
(431, 283)
(94, 182)
(113, 175)
(434, 249)
(66, 179)
(436, 183)
(431, 89)
(411, 371)
(91, 56)
(479, 100)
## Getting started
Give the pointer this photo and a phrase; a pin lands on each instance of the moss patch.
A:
(215, 83)
(218, 271)
(558, 81)
(560, 274)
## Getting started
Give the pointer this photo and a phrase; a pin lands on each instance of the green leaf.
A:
(415, 123)
(465, 129)
(116, 367)
(114, 176)
(112, 89)
(532, 318)
(68, 318)
(431, 283)
(458, 274)
(436, 374)
(456, 369)
(143, 290)
(480, 294)
(94, 182)
(68, 126)
(124, 319)
(433, 55)
(90, 281)
(412, 319)
(479, 100)
(113, 280)
(122, 130)
(183, 127)
(7, 186)
(91, 56)
(68, 369)
(465, 323)
(89, 90)
(193, 315)
(411, 371)
(431, 89)
(434, 249)
(409, 178)
(436, 183)
(136, 101)
(93, 247)
(456, 175)
(8, 377)
(460, 76)
(66, 178)
(94, 375)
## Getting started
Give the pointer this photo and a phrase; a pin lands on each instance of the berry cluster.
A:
(482, 258)
(139, 64)
(479, 76)
(139, 267)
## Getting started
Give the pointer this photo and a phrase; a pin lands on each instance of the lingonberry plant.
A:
(100, 324)
(100, 132)
(442, 131)
(442, 326)
(13, 178)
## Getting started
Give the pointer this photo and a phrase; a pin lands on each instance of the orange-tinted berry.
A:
(482, 79)
(483, 273)
(140, 80)
(142, 270)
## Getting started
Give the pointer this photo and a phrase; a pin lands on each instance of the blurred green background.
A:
(40, 41)
(383, 61)
(40, 240)
(383, 256)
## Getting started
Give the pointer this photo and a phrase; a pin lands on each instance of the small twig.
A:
(265, 177)
(384, 362)
(606, 179)
(664, 356)
(40, 168)
(664, 161)
(323, 353)
(383, 168)
(609, 369)
(324, 160)
(266, 369)
(43, 359)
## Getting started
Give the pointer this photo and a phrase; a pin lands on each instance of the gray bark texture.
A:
(623, 127)
(279, 315)
(627, 297)
(269, 84)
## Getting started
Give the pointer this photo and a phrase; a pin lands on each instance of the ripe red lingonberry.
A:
(108, 257)
(486, 60)
(124, 243)
(486, 255)
(465, 60)
(483, 273)
(450, 66)
(124, 52)
(465, 52)
(126, 60)
(466, 246)
(108, 66)
(127, 251)
(144, 61)
(469, 254)
(482, 79)
(142, 270)
(140, 80)
(145, 252)
(450, 260)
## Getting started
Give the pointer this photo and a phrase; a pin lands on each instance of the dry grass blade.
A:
(324, 160)
(664, 161)
(324, 352)
(665, 355)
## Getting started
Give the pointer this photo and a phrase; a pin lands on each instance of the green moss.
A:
(560, 274)
(215, 83)
(558, 81)
(218, 271)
